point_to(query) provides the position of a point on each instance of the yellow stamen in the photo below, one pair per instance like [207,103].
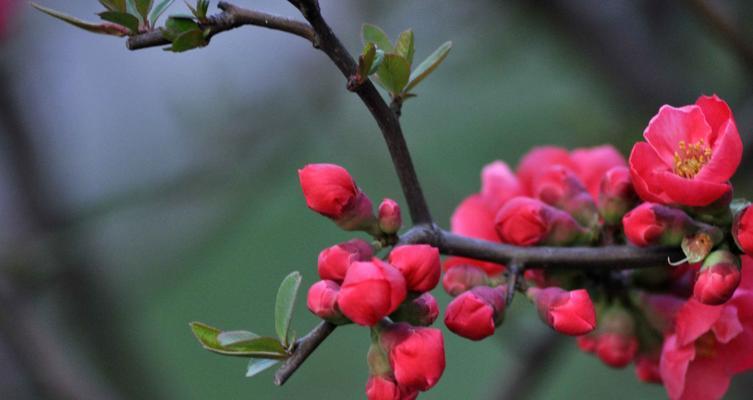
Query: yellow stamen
[690,158]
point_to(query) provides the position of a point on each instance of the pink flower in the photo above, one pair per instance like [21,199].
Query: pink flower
[538,160]
[475,313]
[461,278]
[389,216]
[498,184]
[473,218]
[593,163]
[710,345]
[689,155]
[653,224]
[571,313]
[322,300]
[334,261]
[524,221]
[416,355]
[742,230]
[371,291]
[616,350]
[330,191]
[419,264]
[385,388]
[718,278]
[616,196]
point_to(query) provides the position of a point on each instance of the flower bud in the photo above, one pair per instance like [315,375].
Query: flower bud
[561,188]
[654,224]
[615,350]
[570,313]
[742,230]
[334,261]
[617,195]
[498,185]
[385,388]
[421,311]
[538,159]
[647,368]
[419,264]
[371,291]
[475,313]
[461,278]
[330,191]
[587,343]
[389,216]
[525,221]
[593,163]
[322,301]
[718,278]
[416,355]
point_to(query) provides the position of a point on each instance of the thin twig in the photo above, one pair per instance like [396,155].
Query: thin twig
[719,23]
[304,347]
[522,379]
[232,17]
[515,268]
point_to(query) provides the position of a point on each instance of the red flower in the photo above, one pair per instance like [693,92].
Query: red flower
[742,230]
[421,311]
[419,264]
[371,291]
[616,350]
[571,313]
[461,278]
[389,216]
[591,164]
[616,196]
[718,278]
[334,261]
[689,155]
[473,218]
[524,221]
[385,388]
[416,355]
[653,224]
[330,191]
[322,300]
[710,345]
[647,368]
[538,160]
[475,313]
[559,187]
[498,184]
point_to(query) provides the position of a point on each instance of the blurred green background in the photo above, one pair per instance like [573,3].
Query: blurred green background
[141,191]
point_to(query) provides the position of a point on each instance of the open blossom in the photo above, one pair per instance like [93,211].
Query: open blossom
[571,313]
[331,191]
[371,291]
[710,345]
[475,313]
[416,355]
[334,261]
[419,264]
[689,155]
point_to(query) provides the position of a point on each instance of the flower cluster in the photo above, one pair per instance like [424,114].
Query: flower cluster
[688,324]
[390,296]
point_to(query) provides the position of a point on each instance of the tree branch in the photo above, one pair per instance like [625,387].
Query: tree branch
[303,349]
[232,17]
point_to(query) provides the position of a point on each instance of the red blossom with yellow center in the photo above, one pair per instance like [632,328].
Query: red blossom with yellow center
[689,155]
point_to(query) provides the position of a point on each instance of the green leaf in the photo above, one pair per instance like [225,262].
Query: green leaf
[106,29]
[405,46]
[393,73]
[378,58]
[121,18]
[114,5]
[374,34]
[158,10]
[143,7]
[262,347]
[229,338]
[132,9]
[257,365]
[366,59]
[428,65]
[286,295]
[188,41]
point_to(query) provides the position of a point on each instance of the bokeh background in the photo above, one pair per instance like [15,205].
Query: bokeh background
[143,190]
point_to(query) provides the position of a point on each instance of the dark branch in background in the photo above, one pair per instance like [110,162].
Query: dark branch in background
[94,309]
[424,231]
[725,28]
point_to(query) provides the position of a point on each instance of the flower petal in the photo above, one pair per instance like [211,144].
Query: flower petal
[673,365]
[643,163]
[716,112]
[694,319]
[671,125]
[690,192]
[705,380]
[472,218]
[726,153]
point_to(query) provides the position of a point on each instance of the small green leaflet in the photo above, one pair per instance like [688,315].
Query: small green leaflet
[286,296]
[428,65]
